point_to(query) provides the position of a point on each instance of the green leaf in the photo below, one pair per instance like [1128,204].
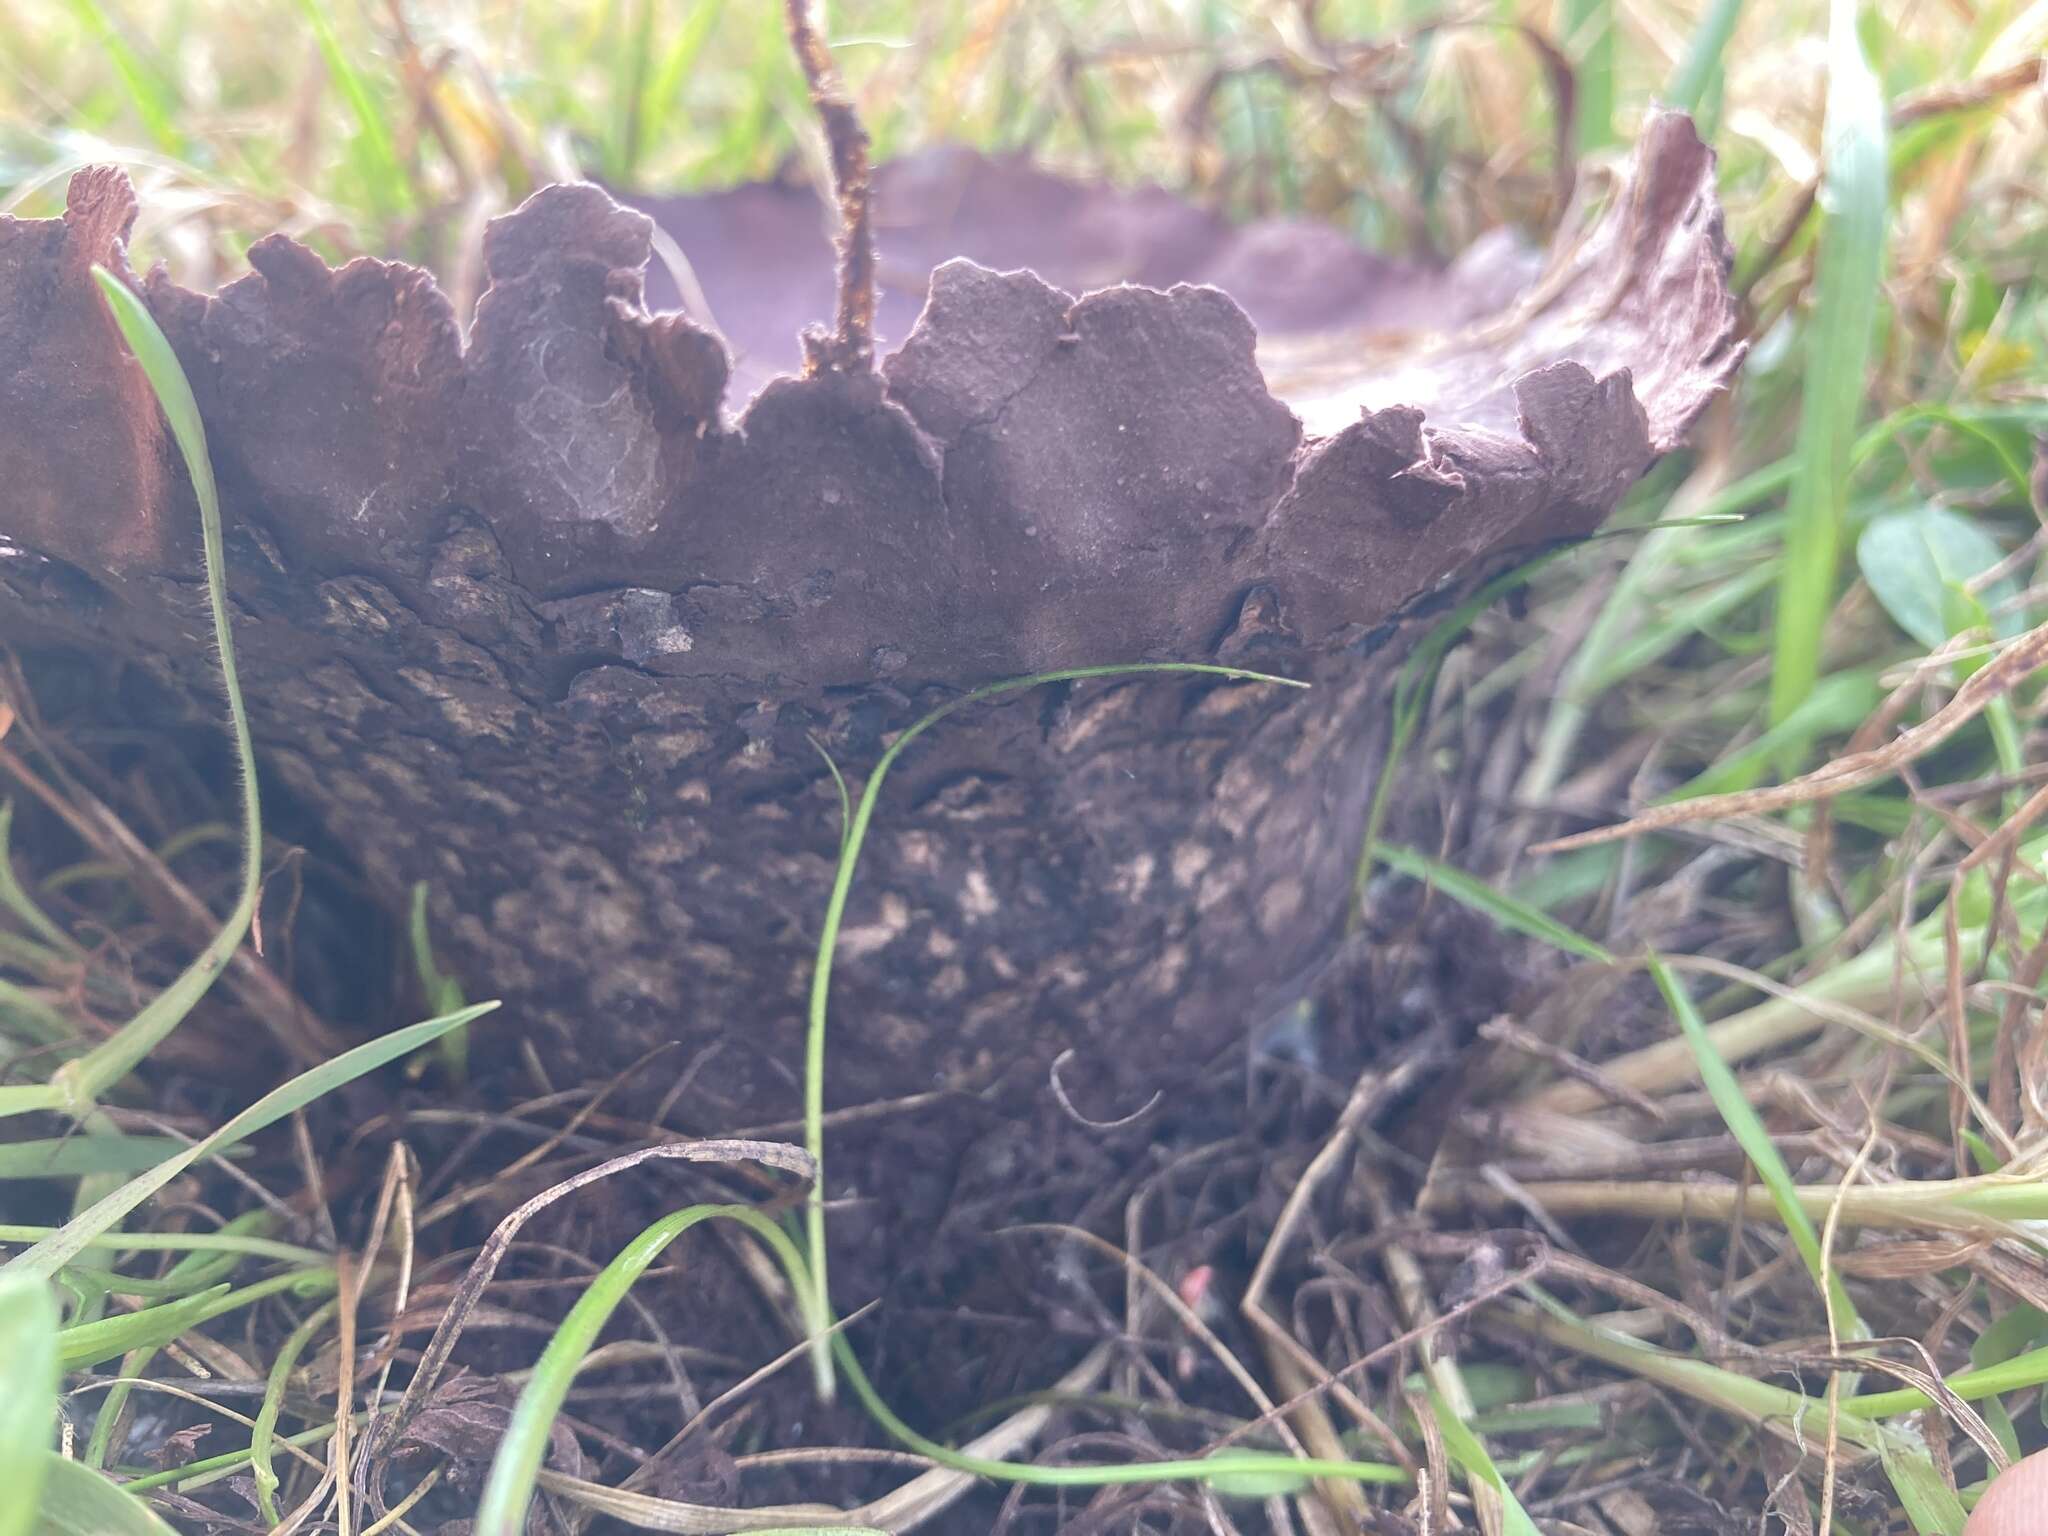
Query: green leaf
[1982,1154]
[1917,563]
[28,1396]
[1749,1133]
[1854,205]
[59,1249]
[78,1501]
[1640,628]
[195,1271]
[1233,1466]
[632,60]
[443,991]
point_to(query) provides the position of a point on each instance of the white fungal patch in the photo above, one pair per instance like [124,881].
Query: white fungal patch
[977,897]
[1133,876]
[1281,904]
[581,416]
[884,931]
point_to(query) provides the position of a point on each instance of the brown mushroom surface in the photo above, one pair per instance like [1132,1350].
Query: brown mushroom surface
[555,616]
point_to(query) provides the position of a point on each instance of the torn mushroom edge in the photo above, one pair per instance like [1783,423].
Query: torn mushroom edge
[1442,451]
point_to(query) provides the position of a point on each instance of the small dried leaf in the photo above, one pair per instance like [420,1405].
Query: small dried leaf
[179,1447]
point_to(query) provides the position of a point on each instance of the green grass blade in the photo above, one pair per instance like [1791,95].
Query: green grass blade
[71,1157]
[838,783]
[1929,1502]
[508,1490]
[1849,268]
[61,1247]
[211,1468]
[28,1396]
[112,1282]
[2012,1335]
[632,60]
[2019,1373]
[194,1271]
[15,897]
[79,1082]
[151,93]
[1466,1449]
[227,1241]
[88,1344]
[442,991]
[1644,635]
[1749,1133]
[37,959]
[1505,910]
[78,1501]
[1698,75]
[1744,1397]
[818,1297]
[263,1433]
[666,89]
[30,1098]
[25,1015]
[1589,41]
[371,151]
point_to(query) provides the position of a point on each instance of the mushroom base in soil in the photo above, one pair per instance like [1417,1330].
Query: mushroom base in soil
[556,616]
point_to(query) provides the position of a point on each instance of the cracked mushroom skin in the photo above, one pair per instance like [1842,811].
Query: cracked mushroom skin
[550,616]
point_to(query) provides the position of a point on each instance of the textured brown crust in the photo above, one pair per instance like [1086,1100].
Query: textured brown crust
[551,619]
[1036,482]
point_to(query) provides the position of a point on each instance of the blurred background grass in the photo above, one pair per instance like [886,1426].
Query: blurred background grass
[376,125]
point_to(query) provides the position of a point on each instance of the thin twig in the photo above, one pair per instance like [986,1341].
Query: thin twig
[851,346]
